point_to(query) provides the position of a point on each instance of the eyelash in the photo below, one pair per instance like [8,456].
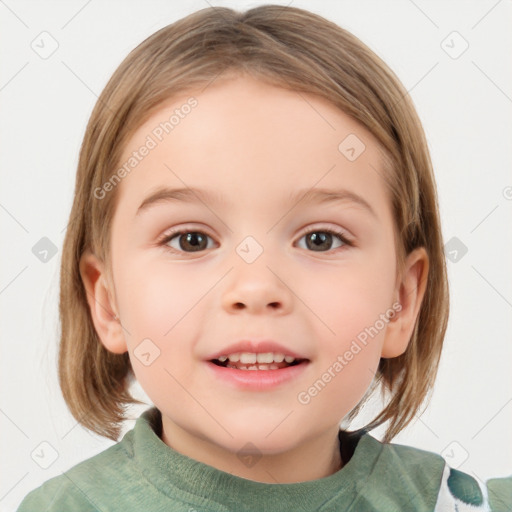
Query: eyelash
[341,235]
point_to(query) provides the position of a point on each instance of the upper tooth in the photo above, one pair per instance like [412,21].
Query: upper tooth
[289,359]
[247,358]
[267,357]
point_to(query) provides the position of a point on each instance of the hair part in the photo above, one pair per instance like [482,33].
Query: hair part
[283,46]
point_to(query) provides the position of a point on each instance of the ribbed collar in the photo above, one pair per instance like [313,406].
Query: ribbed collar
[210,489]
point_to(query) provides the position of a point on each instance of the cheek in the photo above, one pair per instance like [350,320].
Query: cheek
[159,307]
[348,359]
[351,304]
[350,298]
[156,297]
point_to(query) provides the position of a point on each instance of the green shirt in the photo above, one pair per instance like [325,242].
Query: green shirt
[141,473]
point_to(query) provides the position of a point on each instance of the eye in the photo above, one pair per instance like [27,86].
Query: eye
[189,241]
[321,240]
[186,241]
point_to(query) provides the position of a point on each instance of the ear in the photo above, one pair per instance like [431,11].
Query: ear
[103,308]
[409,291]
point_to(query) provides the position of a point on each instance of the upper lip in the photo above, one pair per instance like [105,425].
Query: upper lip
[255,347]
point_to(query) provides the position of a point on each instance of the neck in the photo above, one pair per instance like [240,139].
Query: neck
[314,459]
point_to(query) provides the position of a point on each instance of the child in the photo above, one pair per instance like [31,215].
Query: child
[255,238]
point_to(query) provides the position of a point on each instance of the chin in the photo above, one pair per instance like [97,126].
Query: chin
[264,438]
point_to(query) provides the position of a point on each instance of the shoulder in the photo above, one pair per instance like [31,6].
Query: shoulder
[405,478]
[77,489]
[56,494]
[408,478]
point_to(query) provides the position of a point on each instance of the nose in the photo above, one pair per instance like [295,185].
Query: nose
[257,289]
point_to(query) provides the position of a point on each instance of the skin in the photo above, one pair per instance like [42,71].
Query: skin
[254,144]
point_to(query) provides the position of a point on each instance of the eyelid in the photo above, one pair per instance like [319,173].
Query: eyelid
[343,233]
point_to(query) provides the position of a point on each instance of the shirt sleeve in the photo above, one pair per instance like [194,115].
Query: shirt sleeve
[460,492]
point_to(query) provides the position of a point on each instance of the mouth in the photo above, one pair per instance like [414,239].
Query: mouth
[263,361]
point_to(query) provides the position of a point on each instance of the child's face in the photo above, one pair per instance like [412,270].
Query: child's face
[254,149]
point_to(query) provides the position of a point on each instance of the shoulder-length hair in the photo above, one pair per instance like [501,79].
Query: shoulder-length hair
[283,46]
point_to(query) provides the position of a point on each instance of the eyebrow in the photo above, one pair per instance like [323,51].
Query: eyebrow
[311,195]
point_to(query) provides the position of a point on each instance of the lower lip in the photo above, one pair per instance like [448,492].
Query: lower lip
[257,380]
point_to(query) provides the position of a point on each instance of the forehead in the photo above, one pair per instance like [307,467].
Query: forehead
[247,139]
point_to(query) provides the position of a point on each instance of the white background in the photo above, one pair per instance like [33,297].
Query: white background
[465,105]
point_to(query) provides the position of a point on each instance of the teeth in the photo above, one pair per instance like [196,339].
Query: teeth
[251,358]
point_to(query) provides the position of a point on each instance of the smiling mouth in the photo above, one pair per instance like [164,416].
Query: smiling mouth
[237,365]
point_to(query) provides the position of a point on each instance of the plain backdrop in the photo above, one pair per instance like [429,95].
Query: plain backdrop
[454,59]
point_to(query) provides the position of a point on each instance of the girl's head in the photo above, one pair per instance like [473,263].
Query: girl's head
[261,111]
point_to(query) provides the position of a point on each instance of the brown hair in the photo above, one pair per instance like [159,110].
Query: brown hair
[284,46]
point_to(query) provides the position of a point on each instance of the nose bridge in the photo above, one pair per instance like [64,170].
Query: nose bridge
[255,283]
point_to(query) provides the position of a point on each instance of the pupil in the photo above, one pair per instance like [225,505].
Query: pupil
[320,240]
[193,240]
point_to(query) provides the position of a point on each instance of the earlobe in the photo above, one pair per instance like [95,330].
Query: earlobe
[410,291]
[101,305]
